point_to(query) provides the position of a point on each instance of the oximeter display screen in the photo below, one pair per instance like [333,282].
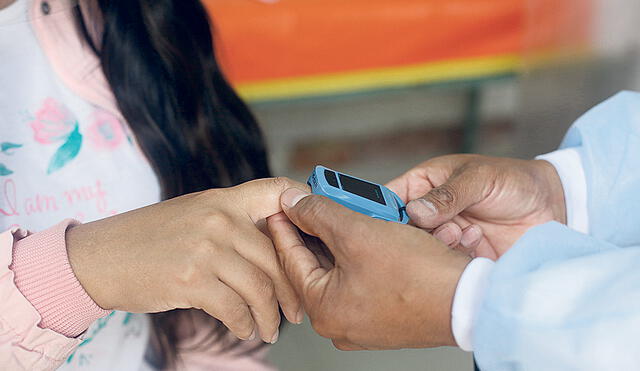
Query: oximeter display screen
[362,188]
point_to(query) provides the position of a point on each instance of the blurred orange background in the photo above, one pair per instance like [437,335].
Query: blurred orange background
[307,47]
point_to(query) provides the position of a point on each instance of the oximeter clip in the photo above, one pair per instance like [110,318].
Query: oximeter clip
[359,195]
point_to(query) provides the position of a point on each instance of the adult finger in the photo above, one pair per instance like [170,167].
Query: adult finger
[411,184]
[321,217]
[471,237]
[449,233]
[400,186]
[320,250]
[442,203]
[485,250]
[300,265]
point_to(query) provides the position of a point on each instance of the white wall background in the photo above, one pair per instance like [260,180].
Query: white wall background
[617,30]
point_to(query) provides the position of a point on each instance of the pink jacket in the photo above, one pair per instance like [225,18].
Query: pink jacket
[43,308]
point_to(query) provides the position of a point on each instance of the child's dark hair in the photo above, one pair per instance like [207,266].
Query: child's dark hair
[159,60]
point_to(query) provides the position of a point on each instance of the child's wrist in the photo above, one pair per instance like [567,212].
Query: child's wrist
[44,276]
[87,266]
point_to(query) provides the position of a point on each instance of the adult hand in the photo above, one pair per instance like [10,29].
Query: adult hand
[201,250]
[391,286]
[481,205]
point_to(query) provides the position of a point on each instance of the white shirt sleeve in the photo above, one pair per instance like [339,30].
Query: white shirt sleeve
[568,164]
[475,278]
[467,300]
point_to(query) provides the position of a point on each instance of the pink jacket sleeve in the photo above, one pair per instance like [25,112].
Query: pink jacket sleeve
[39,294]
[43,309]
[23,344]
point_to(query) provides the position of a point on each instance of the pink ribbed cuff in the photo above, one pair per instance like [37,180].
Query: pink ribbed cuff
[44,276]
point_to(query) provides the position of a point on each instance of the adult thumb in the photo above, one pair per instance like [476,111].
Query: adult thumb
[320,217]
[442,203]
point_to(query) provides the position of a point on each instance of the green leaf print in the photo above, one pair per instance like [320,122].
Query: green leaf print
[4,171]
[7,147]
[67,152]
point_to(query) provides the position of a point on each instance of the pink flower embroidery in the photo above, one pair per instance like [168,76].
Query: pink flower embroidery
[53,123]
[106,131]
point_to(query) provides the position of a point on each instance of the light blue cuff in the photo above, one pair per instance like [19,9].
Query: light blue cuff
[474,280]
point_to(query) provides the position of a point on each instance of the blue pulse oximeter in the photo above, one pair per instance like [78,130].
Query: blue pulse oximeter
[358,195]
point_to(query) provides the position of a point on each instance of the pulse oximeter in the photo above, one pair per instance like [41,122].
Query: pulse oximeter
[358,195]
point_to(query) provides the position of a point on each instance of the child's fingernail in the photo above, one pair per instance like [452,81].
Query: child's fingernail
[292,196]
[275,337]
[252,336]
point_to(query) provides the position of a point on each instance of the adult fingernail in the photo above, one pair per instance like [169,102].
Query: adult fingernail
[292,196]
[275,337]
[253,335]
[446,235]
[422,208]
[299,316]
[470,236]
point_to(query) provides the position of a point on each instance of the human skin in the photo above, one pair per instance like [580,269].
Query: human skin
[390,286]
[481,205]
[5,3]
[201,250]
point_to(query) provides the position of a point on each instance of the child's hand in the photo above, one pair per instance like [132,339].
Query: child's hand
[201,250]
